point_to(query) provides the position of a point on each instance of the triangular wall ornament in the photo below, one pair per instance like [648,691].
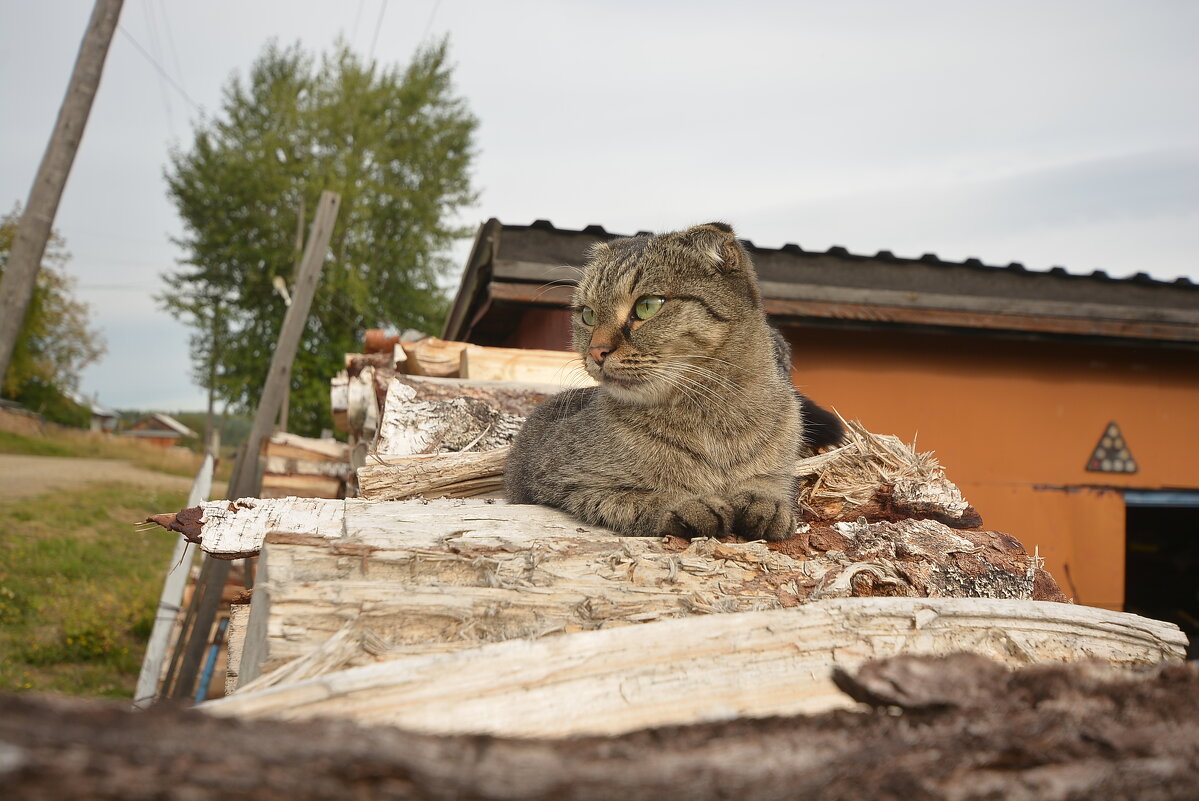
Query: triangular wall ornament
[1112,455]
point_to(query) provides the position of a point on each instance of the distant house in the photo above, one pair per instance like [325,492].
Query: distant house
[1063,405]
[104,420]
[160,429]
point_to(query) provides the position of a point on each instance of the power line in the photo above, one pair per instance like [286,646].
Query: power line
[378,25]
[166,24]
[429,24]
[156,51]
[160,70]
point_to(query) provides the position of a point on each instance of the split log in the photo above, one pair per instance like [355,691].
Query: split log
[433,357]
[563,368]
[1049,732]
[448,575]
[510,397]
[363,411]
[304,467]
[339,401]
[235,638]
[455,475]
[694,670]
[878,477]
[300,485]
[410,426]
[304,449]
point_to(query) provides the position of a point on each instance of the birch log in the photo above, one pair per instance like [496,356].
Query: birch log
[411,427]
[701,669]
[448,575]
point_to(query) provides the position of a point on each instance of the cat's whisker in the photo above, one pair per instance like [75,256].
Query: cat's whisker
[715,359]
[711,375]
[669,374]
[546,287]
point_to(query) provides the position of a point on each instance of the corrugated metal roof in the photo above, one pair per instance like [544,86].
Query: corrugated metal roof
[840,252]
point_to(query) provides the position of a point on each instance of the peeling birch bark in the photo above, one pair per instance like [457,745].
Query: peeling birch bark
[411,427]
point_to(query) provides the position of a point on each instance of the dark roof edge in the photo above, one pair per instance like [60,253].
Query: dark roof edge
[840,252]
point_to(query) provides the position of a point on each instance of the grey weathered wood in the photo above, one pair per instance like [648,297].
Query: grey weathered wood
[178,572]
[33,231]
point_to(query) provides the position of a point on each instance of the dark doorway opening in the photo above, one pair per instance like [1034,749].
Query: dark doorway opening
[1161,565]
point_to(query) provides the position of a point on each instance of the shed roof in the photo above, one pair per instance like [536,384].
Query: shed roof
[160,425]
[532,265]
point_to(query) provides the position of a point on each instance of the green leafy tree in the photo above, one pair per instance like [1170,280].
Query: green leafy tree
[397,144]
[56,340]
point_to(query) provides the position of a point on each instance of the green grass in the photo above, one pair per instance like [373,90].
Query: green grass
[32,446]
[79,586]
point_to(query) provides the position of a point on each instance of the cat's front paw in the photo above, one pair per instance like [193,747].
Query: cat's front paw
[698,516]
[761,516]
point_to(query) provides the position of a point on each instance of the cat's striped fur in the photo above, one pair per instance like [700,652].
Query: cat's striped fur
[695,428]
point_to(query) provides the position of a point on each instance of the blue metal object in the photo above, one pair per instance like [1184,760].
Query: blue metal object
[1161,498]
[210,663]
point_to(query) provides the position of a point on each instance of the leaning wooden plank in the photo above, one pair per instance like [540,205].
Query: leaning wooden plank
[746,665]
[563,368]
[455,475]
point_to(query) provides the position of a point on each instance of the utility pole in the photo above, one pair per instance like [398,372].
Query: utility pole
[25,258]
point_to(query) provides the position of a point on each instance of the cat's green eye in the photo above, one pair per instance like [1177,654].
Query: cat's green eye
[588,315]
[648,306]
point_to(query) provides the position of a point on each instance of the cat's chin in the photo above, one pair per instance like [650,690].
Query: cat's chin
[629,391]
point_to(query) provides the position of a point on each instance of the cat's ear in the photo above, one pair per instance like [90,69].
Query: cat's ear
[718,243]
[598,250]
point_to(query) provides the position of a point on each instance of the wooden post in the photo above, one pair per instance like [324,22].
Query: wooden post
[25,259]
[246,478]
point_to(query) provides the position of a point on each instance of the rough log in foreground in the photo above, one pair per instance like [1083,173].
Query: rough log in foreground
[1048,733]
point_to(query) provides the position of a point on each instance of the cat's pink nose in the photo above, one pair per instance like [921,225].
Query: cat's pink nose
[600,352]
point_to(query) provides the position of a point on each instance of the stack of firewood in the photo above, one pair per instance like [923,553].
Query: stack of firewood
[430,603]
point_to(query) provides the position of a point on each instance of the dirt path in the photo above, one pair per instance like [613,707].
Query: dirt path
[23,476]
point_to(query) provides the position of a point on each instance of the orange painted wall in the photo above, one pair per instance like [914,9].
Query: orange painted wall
[1014,423]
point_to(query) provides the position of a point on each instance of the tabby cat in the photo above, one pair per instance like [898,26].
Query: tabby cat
[694,429]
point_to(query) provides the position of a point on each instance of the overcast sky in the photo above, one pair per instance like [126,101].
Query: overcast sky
[1049,133]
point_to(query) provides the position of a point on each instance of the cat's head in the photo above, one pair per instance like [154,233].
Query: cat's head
[656,316]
